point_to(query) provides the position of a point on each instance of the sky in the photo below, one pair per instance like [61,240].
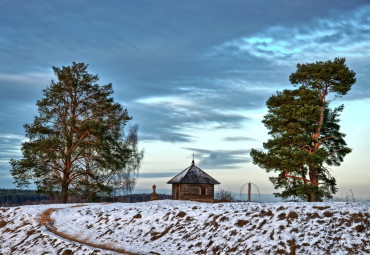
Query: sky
[194,75]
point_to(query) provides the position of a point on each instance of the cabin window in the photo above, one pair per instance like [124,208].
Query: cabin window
[203,191]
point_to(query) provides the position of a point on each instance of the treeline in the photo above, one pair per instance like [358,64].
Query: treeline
[10,197]
[133,198]
[14,197]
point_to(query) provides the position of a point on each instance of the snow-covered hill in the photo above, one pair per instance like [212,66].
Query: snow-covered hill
[178,227]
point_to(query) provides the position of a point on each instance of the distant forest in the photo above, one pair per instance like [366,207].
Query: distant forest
[14,197]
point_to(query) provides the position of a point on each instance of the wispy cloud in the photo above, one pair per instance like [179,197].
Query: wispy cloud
[221,159]
[29,78]
[345,35]
[167,121]
[10,147]
[239,138]
[156,174]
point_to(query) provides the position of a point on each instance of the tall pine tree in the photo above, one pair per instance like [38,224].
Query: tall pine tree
[76,144]
[306,137]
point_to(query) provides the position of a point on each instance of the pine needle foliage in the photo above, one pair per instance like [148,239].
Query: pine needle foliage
[76,144]
[306,138]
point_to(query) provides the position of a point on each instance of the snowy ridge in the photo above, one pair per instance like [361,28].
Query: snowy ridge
[179,227]
[22,233]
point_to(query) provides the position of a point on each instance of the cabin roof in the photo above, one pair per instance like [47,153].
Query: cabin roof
[193,175]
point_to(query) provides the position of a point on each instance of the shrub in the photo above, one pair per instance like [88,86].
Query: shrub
[224,196]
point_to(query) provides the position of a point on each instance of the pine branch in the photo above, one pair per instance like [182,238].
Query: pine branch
[298,178]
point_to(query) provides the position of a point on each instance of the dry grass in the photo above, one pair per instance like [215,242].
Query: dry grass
[262,223]
[2,223]
[281,216]
[313,215]
[241,223]
[156,235]
[74,206]
[189,218]
[292,215]
[67,252]
[280,208]
[328,214]
[224,218]
[321,207]
[266,213]
[232,250]
[137,216]
[292,246]
[360,228]
[181,214]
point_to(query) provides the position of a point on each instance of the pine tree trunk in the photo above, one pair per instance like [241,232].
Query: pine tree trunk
[64,196]
[317,132]
[312,198]
[314,178]
[315,182]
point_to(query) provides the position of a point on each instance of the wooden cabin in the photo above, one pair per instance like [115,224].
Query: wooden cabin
[193,184]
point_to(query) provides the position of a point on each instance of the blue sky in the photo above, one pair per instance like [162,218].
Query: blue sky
[194,75]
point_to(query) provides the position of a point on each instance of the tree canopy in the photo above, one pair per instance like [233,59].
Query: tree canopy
[76,144]
[306,137]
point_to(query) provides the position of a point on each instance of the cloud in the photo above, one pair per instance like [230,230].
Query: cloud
[221,159]
[240,75]
[320,39]
[346,34]
[23,87]
[228,126]
[168,121]
[10,144]
[178,67]
[223,60]
[165,135]
[152,175]
[10,147]
[239,138]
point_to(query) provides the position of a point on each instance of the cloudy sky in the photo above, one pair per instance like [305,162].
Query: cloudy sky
[194,75]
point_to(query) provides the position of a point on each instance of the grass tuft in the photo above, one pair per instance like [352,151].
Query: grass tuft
[281,216]
[241,223]
[328,214]
[321,207]
[3,223]
[181,214]
[137,216]
[292,215]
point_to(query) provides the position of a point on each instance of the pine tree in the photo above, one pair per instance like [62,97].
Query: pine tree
[306,136]
[76,145]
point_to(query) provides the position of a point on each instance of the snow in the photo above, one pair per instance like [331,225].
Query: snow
[184,227]
[193,174]
[181,175]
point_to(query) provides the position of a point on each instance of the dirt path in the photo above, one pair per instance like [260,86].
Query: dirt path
[46,220]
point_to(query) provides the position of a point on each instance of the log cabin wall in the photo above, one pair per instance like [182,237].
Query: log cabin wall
[193,192]
[176,191]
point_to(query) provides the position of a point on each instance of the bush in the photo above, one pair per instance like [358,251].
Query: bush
[224,196]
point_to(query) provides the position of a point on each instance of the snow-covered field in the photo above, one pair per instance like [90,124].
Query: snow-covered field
[179,227]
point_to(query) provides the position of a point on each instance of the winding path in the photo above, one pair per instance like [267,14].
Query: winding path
[46,220]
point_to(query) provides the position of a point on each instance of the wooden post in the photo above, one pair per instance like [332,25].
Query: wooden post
[249,191]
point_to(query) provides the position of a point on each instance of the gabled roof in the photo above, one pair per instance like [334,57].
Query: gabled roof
[193,175]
